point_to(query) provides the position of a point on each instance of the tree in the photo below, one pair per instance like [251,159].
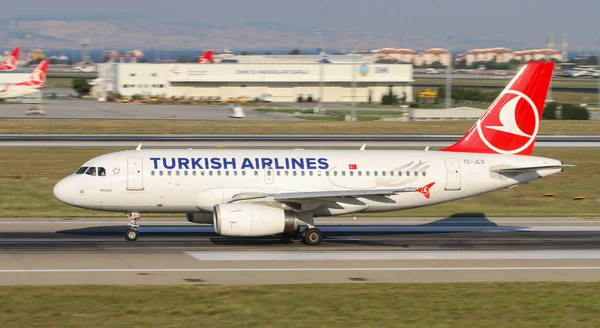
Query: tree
[390,98]
[182,59]
[296,52]
[81,86]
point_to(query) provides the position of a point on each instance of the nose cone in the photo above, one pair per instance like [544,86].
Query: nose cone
[63,191]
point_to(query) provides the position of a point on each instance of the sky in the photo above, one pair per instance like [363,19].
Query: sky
[524,21]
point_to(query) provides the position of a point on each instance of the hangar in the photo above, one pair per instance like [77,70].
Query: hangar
[283,82]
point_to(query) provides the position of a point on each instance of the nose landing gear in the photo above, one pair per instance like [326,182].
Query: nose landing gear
[134,224]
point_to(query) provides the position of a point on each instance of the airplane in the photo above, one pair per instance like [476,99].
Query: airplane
[11,61]
[206,58]
[36,80]
[250,193]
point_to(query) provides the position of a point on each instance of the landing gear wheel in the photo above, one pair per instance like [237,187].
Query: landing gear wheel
[131,235]
[312,236]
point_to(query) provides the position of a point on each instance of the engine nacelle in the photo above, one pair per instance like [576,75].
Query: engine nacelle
[251,220]
[202,217]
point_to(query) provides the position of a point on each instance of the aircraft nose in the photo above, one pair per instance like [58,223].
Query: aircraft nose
[62,191]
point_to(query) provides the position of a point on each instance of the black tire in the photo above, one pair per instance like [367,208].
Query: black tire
[131,235]
[313,237]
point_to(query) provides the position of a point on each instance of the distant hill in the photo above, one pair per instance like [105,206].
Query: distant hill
[136,30]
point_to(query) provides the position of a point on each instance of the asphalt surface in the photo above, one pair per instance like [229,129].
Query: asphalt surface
[173,251]
[91,109]
[265,141]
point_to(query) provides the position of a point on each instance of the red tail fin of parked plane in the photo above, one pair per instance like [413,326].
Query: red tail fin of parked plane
[37,78]
[512,121]
[206,58]
[10,62]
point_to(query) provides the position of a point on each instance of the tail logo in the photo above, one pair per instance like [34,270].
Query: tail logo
[38,78]
[10,63]
[513,127]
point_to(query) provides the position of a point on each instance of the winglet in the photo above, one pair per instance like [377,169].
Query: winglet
[139,147]
[426,190]
[363,147]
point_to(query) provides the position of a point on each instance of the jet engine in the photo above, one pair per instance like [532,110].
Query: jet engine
[250,220]
[202,217]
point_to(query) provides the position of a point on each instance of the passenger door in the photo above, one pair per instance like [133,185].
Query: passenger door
[452,174]
[135,180]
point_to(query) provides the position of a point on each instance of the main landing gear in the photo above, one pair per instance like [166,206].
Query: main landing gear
[134,224]
[312,236]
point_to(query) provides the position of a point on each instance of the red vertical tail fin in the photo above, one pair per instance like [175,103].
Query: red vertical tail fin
[512,121]
[206,58]
[11,61]
[37,78]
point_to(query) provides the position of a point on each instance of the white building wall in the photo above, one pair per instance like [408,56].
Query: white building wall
[283,81]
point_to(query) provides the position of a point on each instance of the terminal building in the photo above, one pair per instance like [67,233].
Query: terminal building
[281,80]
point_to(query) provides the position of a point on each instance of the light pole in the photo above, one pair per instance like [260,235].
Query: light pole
[548,58]
[598,71]
[449,74]
[319,34]
[352,37]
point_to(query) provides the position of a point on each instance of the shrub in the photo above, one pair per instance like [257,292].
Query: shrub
[413,105]
[574,112]
[550,111]
[81,86]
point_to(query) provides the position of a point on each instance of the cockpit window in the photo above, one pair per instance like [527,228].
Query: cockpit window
[91,171]
[101,171]
[81,170]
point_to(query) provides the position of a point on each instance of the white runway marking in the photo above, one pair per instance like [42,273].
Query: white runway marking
[398,256]
[300,269]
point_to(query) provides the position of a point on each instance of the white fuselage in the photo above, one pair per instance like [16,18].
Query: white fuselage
[16,91]
[188,181]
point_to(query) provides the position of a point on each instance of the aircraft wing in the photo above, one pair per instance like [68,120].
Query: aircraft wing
[529,168]
[323,197]
[339,193]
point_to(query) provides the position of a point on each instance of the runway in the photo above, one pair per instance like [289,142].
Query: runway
[370,249]
[264,141]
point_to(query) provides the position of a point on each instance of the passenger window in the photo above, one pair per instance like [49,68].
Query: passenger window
[343,173]
[255,172]
[269,172]
[335,173]
[359,173]
[177,173]
[278,173]
[368,173]
[310,173]
[194,173]
[243,173]
[160,173]
[101,172]
[399,173]
[82,170]
[294,173]
[424,173]
[235,173]
[152,173]
[351,173]
[392,173]
[210,173]
[327,173]
[169,173]
[374,173]
[185,173]
[91,171]
[219,173]
[302,173]
[383,173]
[227,173]
[287,173]
[416,173]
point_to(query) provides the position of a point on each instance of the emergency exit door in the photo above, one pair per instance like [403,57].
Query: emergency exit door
[135,180]
[452,174]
